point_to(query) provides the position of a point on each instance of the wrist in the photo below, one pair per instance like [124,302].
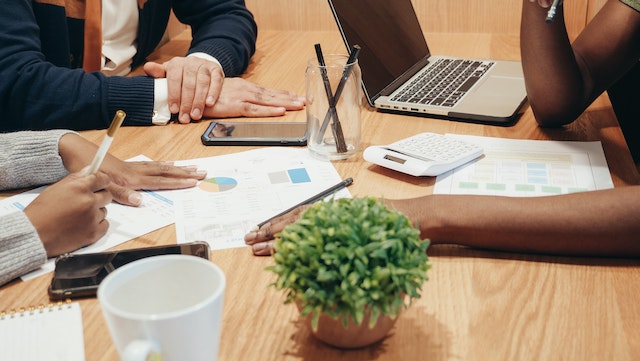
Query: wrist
[76,152]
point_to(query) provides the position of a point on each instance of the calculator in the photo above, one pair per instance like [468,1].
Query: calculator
[424,154]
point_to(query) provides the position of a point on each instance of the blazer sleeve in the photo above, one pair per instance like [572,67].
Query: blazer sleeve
[36,94]
[224,29]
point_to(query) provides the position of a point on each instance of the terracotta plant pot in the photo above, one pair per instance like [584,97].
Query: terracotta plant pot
[332,332]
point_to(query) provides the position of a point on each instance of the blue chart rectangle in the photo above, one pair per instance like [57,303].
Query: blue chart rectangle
[299,175]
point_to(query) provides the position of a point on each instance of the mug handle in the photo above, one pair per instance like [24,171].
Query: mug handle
[142,350]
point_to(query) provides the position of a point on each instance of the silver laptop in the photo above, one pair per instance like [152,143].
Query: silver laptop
[399,74]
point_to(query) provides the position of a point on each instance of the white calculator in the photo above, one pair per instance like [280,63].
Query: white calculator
[424,154]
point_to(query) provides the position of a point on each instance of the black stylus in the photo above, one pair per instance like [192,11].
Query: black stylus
[317,197]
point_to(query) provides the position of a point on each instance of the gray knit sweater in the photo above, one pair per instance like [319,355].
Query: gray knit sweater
[27,159]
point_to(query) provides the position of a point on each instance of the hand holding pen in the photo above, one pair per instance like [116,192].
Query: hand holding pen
[261,237]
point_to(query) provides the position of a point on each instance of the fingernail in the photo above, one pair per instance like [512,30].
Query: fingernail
[135,198]
[174,108]
[201,172]
[195,113]
[184,118]
[250,237]
[210,100]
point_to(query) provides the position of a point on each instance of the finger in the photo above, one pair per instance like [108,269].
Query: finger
[187,94]
[159,182]
[262,235]
[263,249]
[125,195]
[100,181]
[215,86]
[154,70]
[202,85]
[277,98]
[174,84]
[247,110]
[104,216]
[100,230]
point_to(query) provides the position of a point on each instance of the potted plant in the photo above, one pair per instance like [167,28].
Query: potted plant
[350,265]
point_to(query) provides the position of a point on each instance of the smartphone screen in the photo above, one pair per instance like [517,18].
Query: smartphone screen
[79,275]
[255,133]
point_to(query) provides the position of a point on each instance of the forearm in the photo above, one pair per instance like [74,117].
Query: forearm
[554,81]
[602,223]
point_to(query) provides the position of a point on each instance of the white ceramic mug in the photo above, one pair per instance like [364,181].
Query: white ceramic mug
[165,307]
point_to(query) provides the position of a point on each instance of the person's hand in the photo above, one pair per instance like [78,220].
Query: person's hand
[71,214]
[192,83]
[242,98]
[261,240]
[128,177]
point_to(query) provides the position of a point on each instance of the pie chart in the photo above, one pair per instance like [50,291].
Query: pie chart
[218,184]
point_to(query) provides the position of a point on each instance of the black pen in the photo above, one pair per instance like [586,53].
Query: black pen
[345,183]
[353,55]
[332,100]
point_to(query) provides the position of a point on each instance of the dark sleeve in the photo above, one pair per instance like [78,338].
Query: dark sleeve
[35,94]
[224,29]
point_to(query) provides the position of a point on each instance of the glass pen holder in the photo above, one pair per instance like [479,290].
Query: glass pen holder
[333,104]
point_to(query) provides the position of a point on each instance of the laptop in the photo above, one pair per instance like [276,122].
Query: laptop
[400,75]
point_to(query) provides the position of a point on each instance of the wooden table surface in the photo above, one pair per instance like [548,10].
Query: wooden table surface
[477,305]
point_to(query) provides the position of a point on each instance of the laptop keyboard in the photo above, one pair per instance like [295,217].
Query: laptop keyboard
[444,83]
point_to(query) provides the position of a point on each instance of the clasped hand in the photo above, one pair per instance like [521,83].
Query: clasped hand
[197,88]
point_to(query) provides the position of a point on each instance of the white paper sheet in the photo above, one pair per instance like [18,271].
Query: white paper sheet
[519,168]
[246,188]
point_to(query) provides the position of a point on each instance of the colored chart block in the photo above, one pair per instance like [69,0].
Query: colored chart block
[218,184]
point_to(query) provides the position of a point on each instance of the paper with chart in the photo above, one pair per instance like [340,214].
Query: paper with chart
[519,168]
[125,222]
[243,189]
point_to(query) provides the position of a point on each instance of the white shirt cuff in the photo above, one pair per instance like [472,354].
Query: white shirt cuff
[161,113]
[206,56]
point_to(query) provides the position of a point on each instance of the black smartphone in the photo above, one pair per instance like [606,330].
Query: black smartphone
[79,275]
[255,133]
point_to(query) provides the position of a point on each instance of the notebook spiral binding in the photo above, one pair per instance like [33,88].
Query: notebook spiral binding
[26,311]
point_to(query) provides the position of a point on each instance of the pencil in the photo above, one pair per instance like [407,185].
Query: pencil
[106,141]
[317,197]
[551,14]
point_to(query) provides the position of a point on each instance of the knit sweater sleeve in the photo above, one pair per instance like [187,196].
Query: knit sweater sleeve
[21,250]
[30,158]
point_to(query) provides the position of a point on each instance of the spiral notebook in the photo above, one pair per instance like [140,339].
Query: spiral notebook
[50,332]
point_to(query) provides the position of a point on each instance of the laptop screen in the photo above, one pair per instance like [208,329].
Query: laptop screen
[390,36]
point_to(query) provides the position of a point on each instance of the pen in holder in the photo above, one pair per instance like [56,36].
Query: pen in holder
[340,109]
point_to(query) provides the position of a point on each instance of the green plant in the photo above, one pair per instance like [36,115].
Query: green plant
[348,256]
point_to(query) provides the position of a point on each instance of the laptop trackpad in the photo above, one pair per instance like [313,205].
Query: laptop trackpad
[496,96]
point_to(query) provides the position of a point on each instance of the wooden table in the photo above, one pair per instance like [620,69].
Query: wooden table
[477,305]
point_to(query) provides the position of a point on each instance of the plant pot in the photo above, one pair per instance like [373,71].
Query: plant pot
[332,332]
